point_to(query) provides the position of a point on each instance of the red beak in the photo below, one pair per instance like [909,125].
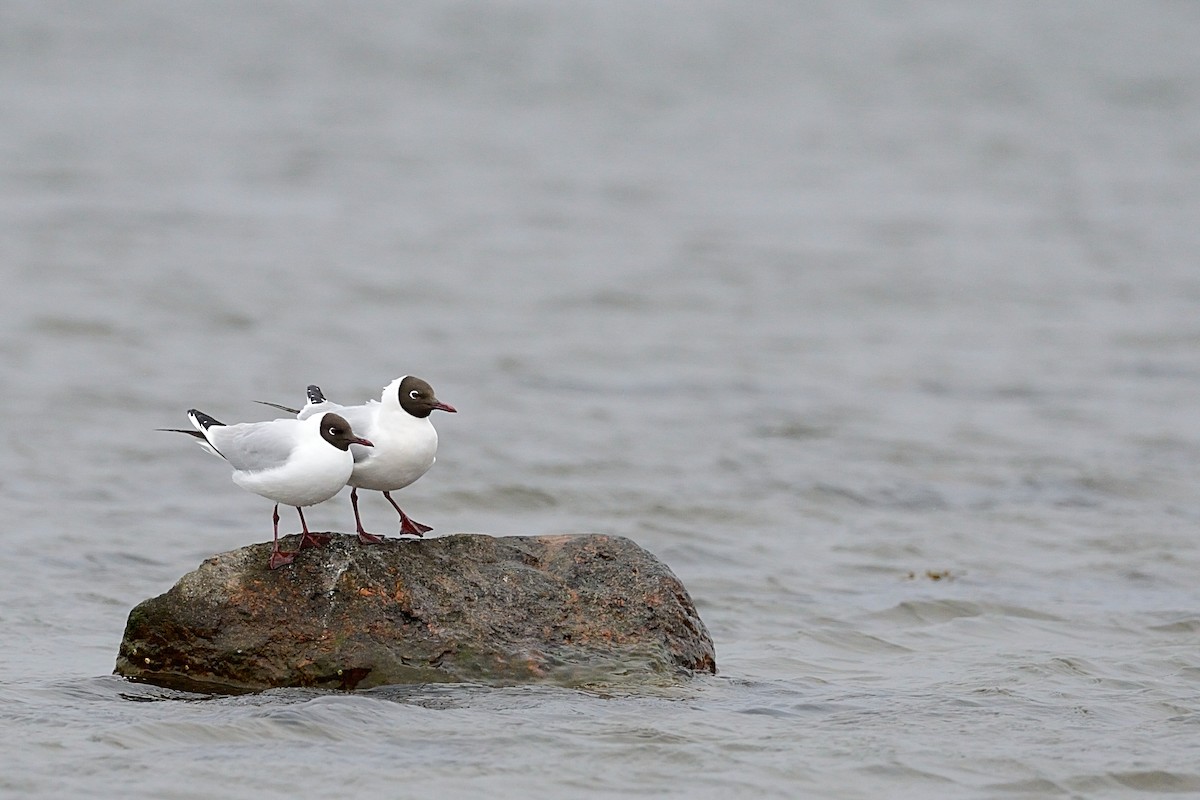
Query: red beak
[363,442]
[445,407]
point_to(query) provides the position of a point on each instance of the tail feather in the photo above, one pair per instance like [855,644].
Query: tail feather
[288,409]
[197,434]
[201,422]
[315,397]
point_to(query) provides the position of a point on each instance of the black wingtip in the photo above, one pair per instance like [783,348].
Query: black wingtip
[202,419]
[315,395]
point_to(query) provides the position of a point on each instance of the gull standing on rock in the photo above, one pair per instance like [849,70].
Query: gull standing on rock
[291,461]
[405,442]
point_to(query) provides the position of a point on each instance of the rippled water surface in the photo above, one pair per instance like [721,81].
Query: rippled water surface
[879,322]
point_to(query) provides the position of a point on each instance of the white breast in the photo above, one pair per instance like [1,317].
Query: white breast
[405,448]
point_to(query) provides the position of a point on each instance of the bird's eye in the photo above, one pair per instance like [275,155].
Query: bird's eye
[334,431]
[414,394]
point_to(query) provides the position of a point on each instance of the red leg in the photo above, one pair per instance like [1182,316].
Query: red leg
[363,536]
[278,557]
[308,539]
[407,524]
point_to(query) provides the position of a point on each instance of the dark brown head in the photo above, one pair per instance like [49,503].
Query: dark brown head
[336,431]
[417,398]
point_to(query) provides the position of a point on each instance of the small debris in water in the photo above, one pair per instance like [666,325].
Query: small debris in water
[933,575]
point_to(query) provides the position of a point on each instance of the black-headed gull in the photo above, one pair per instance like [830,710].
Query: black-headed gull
[291,461]
[405,442]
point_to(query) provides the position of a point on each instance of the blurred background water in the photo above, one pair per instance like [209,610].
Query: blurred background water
[877,321]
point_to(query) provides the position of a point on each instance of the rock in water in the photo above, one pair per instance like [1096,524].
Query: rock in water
[574,610]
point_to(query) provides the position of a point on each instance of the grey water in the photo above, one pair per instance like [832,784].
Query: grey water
[879,322]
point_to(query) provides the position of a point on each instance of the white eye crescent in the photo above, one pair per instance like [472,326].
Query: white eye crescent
[414,394]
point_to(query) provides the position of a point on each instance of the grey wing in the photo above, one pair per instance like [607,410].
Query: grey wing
[361,418]
[254,446]
[311,408]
